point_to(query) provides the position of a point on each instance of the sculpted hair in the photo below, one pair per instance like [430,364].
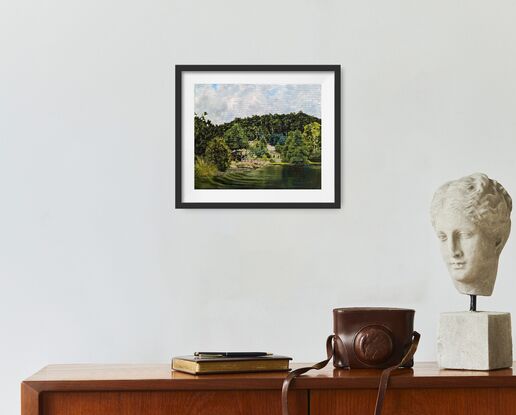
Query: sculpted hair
[484,201]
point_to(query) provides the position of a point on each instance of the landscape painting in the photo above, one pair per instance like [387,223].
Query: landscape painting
[257,136]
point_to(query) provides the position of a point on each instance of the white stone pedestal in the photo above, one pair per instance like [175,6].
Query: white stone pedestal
[474,340]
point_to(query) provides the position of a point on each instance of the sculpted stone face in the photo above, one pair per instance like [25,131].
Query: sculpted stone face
[471,217]
[470,254]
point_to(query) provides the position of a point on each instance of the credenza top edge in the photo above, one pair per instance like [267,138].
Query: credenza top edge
[95,377]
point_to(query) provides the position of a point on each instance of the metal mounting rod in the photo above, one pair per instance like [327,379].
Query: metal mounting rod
[472,302]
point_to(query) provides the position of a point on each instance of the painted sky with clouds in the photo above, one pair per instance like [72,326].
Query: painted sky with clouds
[224,102]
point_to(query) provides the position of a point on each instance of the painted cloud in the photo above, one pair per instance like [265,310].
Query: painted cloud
[224,102]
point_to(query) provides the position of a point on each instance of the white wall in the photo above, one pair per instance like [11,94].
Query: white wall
[97,266]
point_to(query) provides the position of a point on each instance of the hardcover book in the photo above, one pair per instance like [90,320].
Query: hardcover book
[196,365]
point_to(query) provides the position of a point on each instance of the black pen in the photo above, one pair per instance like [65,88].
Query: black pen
[232,354]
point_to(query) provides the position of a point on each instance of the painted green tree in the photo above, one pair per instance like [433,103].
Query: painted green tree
[204,131]
[259,148]
[312,139]
[236,137]
[296,150]
[218,153]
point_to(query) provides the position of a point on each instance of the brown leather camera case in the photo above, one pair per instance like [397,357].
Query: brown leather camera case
[372,337]
[366,337]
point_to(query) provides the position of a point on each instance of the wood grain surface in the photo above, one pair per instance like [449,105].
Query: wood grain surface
[29,400]
[155,389]
[160,377]
[167,403]
[437,401]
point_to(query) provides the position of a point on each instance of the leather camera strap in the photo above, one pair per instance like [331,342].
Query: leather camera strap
[384,378]
[330,350]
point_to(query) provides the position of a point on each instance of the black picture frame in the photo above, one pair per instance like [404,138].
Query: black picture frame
[181,69]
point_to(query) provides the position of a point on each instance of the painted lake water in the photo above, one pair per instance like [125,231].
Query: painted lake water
[273,176]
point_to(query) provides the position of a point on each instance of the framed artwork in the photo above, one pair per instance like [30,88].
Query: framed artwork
[257,136]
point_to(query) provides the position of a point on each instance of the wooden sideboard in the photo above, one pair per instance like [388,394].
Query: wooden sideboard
[156,390]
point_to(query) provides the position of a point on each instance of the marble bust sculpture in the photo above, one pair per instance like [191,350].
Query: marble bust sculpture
[471,217]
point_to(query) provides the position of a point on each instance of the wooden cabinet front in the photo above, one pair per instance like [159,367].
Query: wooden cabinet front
[434,401]
[171,403]
[156,390]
